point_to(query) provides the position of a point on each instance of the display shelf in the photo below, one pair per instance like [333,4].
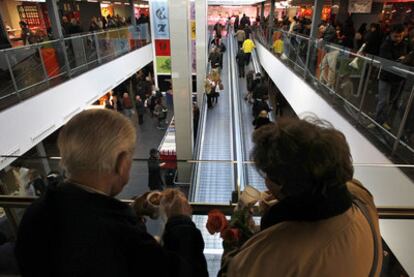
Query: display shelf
[167,147]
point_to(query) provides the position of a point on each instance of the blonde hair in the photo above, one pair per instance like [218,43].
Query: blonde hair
[93,139]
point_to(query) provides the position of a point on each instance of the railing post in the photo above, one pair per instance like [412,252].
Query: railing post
[97,47]
[403,121]
[364,91]
[361,81]
[16,89]
[84,50]
[43,64]
[65,57]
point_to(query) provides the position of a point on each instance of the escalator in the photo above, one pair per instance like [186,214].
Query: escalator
[214,178]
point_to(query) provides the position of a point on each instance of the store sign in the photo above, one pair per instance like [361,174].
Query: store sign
[163,64]
[162,47]
[360,6]
[159,16]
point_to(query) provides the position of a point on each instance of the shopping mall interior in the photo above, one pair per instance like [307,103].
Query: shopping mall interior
[201,82]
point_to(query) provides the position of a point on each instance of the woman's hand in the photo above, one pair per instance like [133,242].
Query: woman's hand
[174,203]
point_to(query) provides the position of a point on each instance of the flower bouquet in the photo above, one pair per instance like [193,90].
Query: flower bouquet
[241,226]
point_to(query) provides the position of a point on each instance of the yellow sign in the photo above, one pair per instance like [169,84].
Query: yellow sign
[193,30]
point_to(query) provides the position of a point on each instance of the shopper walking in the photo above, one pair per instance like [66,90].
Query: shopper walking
[241,36]
[127,105]
[241,61]
[140,107]
[261,120]
[155,181]
[394,48]
[160,111]
[248,46]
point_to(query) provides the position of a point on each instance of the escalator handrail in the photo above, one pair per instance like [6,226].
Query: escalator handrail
[195,176]
[237,130]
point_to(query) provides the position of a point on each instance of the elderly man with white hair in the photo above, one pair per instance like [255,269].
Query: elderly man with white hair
[78,228]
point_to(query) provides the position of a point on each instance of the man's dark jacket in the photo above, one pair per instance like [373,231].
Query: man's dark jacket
[391,51]
[72,232]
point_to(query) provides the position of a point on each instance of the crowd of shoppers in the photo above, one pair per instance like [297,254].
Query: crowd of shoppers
[392,45]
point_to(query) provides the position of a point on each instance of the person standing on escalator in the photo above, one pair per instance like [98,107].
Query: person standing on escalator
[241,60]
[248,46]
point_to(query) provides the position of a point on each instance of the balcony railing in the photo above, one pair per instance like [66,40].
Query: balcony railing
[352,83]
[28,70]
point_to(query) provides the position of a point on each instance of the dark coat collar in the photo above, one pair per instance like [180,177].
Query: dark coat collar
[306,208]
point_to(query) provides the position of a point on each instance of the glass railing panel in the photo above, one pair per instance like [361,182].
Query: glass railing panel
[53,59]
[123,41]
[91,51]
[8,94]
[387,93]
[26,65]
[356,85]
[106,46]
[76,53]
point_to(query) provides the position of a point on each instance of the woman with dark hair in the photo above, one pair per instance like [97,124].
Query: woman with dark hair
[360,35]
[155,181]
[325,223]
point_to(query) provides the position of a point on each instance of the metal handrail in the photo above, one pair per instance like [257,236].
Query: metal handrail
[237,130]
[195,176]
[391,165]
[371,61]
[199,208]
[80,35]
[368,58]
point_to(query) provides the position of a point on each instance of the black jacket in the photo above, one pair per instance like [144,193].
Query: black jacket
[214,58]
[154,174]
[240,58]
[261,121]
[373,43]
[392,52]
[72,232]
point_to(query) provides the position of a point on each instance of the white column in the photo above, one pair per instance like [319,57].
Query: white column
[201,46]
[181,82]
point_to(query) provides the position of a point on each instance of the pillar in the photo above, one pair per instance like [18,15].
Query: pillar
[262,8]
[4,38]
[201,47]
[316,20]
[54,17]
[316,17]
[179,15]
[132,14]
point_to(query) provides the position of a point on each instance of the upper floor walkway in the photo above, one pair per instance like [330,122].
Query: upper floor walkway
[43,85]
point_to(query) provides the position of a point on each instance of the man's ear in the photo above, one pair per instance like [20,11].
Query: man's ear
[122,163]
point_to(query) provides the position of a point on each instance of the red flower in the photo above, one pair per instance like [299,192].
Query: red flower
[216,222]
[231,234]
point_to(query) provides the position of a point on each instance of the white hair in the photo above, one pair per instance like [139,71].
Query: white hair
[93,140]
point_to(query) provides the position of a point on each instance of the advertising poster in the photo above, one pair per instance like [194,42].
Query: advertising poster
[193,36]
[162,47]
[160,19]
[360,6]
[161,37]
[163,64]
[193,56]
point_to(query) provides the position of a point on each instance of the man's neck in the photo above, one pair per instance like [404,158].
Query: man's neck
[99,183]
